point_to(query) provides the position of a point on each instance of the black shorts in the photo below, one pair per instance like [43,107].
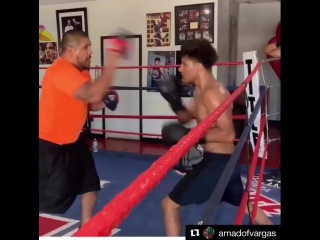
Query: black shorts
[65,171]
[198,184]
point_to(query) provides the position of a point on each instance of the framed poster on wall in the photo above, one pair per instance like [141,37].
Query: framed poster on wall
[194,22]
[69,19]
[157,74]
[158,29]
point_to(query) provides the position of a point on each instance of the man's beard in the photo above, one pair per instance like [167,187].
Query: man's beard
[83,65]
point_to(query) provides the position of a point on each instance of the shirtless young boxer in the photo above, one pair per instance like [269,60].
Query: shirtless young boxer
[198,184]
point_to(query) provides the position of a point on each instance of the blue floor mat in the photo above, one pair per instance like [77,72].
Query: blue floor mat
[119,169]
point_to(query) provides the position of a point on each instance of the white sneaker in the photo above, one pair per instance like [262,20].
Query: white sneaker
[179,172]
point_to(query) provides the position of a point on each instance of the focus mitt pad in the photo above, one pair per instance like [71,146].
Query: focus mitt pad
[122,43]
[173,132]
[111,100]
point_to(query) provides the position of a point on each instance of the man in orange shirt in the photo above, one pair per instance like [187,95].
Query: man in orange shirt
[66,165]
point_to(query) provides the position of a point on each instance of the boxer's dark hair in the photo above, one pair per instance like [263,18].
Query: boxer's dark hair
[201,51]
[71,39]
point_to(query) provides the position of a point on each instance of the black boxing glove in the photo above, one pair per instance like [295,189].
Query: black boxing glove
[171,90]
[172,133]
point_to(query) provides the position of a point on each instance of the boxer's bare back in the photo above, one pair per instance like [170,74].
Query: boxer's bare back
[208,95]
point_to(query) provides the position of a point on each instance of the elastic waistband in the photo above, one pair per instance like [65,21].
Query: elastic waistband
[210,156]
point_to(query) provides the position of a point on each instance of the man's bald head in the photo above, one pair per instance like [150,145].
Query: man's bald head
[72,38]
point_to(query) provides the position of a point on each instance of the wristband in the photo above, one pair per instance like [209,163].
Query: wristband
[202,141]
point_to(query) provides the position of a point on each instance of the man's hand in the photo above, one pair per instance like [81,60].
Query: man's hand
[273,50]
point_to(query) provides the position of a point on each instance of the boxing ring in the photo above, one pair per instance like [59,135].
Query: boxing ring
[255,136]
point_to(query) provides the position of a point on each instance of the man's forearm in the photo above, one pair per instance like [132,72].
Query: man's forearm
[97,106]
[103,83]
[276,53]
[184,116]
[272,50]
[219,135]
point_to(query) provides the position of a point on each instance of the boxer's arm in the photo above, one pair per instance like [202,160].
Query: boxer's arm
[273,50]
[70,81]
[223,129]
[95,91]
[97,106]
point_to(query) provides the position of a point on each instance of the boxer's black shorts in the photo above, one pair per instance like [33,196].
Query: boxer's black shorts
[198,184]
[65,171]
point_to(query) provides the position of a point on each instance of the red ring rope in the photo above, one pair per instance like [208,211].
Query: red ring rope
[253,166]
[162,66]
[131,133]
[113,214]
[235,117]
[258,189]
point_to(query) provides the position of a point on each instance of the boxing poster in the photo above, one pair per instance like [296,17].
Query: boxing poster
[161,60]
[188,89]
[158,29]
[47,46]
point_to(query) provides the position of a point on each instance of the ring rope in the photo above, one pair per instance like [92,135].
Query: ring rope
[234,117]
[129,133]
[259,185]
[176,66]
[113,214]
[245,199]
[217,194]
[162,66]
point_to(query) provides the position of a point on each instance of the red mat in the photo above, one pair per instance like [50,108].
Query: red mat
[50,225]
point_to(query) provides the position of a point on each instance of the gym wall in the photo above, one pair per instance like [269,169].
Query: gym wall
[104,17]
[257,25]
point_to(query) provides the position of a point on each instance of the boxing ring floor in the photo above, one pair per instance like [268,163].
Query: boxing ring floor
[117,170]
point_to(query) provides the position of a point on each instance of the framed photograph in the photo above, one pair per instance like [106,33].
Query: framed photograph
[194,22]
[157,74]
[47,46]
[158,29]
[68,19]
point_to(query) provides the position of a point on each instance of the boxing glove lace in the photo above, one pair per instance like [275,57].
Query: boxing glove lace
[172,133]
[171,90]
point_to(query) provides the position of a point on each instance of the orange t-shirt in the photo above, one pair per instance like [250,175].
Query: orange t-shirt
[61,115]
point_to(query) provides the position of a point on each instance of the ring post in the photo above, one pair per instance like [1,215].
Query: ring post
[253,93]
